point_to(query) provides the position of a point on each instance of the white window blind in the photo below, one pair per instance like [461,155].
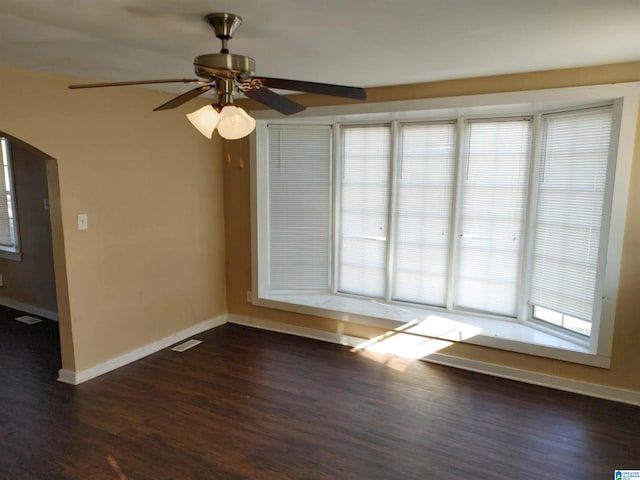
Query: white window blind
[8,237]
[423,213]
[571,192]
[364,198]
[473,232]
[493,200]
[299,207]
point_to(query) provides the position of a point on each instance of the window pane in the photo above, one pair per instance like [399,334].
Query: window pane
[493,196]
[364,198]
[299,207]
[577,325]
[571,192]
[565,321]
[423,213]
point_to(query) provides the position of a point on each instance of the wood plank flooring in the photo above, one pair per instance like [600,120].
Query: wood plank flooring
[248,404]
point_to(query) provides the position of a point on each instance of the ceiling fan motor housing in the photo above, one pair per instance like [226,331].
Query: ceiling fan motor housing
[224,65]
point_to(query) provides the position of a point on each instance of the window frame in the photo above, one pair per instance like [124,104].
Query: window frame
[625,98]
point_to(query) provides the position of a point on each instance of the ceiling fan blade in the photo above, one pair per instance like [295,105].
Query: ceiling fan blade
[313,87]
[274,100]
[185,97]
[135,82]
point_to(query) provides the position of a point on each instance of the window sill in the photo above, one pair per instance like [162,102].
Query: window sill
[456,327]
[15,256]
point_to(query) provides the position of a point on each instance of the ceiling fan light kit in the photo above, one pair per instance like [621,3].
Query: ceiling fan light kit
[235,123]
[205,119]
[229,74]
[232,122]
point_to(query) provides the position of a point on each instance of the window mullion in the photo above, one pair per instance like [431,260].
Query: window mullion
[338,162]
[600,293]
[394,171]
[524,310]
[455,209]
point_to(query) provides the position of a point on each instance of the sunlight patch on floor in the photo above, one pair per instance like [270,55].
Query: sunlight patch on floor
[415,340]
[116,468]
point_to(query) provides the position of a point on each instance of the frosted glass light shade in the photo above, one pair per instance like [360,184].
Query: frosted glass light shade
[235,123]
[205,119]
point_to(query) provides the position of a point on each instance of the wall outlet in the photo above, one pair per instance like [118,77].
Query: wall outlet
[249,296]
[1,280]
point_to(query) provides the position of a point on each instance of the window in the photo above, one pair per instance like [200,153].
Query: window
[493,192]
[486,214]
[9,244]
[363,214]
[569,210]
[299,207]
[423,213]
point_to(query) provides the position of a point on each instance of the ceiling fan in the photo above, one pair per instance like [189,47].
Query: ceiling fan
[228,74]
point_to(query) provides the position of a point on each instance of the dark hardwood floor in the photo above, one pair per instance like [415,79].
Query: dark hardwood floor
[248,404]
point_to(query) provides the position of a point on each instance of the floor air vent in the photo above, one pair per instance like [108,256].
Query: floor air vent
[28,320]
[186,345]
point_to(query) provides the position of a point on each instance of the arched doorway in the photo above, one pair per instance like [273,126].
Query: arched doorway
[32,271]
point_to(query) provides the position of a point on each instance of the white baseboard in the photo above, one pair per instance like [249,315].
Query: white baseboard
[76,378]
[295,330]
[558,383]
[28,308]
[566,384]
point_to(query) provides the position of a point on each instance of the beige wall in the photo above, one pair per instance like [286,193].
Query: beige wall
[152,262]
[624,371]
[30,281]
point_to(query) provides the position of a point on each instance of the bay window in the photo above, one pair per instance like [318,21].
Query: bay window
[485,216]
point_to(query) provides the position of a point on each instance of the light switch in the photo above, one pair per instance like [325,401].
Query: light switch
[83,221]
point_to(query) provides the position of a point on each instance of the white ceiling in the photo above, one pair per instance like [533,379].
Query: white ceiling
[353,42]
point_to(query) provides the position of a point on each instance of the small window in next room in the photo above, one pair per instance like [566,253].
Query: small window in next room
[9,241]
